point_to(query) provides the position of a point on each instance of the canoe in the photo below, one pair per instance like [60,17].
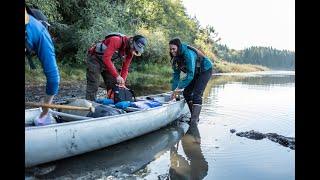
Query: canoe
[121,160]
[61,140]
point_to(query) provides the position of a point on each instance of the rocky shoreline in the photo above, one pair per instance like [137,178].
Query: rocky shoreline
[67,91]
[282,140]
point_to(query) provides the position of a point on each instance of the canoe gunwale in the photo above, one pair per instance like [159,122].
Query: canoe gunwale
[76,137]
[99,118]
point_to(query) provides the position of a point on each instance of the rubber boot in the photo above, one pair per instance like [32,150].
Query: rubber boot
[196,109]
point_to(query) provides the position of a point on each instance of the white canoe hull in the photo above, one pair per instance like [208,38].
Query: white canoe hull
[57,141]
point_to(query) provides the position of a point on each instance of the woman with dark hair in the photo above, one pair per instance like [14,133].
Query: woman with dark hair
[198,70]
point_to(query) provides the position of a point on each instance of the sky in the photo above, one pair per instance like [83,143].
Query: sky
[244,23]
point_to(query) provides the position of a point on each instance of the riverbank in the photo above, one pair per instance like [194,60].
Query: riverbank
[73,82]
[67,90]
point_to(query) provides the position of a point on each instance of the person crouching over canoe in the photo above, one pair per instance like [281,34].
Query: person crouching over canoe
[198,70]
[101,58]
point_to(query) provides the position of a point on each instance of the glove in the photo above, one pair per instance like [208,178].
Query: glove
[105,101]
[47,119]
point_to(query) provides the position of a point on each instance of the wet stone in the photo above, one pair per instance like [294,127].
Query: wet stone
[251,135]
[232,130]
[282,140]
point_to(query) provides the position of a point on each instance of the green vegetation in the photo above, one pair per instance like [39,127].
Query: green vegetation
[77,25]
[146,74]
[265,56]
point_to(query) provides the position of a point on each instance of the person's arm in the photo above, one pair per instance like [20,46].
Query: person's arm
[47,100]
[125,67]
[190,59]
[47,57]
[113,44]
[46,54]
[175,78]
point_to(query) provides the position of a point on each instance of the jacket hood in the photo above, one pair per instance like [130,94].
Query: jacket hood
[182,49]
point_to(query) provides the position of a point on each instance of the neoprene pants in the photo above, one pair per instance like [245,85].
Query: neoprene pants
[194,91]
[95,69]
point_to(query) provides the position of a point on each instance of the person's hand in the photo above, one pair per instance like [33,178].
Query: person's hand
[45,120]
[178,91]
[120,81]
[47,100]
[175,93]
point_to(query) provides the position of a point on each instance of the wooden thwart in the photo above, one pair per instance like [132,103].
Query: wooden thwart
[57,106]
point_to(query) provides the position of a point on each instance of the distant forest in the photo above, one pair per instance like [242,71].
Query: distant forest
[78,24]
[265,56]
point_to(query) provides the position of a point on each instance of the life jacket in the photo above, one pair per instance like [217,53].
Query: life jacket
[36,13]
[181,63]
[101,47]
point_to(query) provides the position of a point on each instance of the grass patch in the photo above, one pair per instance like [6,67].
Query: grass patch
[144,74]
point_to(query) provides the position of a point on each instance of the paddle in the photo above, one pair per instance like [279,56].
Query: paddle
[35,104]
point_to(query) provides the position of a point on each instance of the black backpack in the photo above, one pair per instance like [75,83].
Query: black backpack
[101,47]
[200,59]
[122,94]
[36,13]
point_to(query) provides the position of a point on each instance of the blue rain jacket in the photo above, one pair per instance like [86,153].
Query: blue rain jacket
[39,40]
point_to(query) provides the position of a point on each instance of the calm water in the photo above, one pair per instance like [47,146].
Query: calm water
[263,102]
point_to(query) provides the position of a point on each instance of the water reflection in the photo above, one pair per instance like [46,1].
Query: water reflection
[195,166]
[265,78]
[263,102]
[120,160]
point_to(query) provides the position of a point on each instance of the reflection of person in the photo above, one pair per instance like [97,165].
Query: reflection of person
[198,70]
[180,167]
[104,65]
[38,39]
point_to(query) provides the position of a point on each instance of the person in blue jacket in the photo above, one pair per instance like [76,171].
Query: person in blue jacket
[39,40]
[198,69]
